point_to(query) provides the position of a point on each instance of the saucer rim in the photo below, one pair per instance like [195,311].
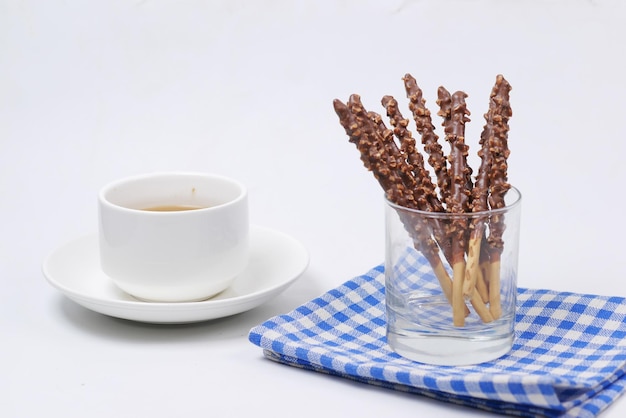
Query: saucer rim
[196,311]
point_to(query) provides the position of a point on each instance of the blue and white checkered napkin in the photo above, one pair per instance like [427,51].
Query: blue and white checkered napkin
[568,359]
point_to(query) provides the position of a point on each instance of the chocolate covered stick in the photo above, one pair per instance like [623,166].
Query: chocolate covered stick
[425,193]
[394,156]
[454,112]
[425,127]
[362,133]
[360,130]
[461,190]
[476,260]
[428,192]
[384,152]
[355,134]
[498,186]
[479,203]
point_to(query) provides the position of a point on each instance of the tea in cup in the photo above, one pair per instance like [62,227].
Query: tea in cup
[173,237]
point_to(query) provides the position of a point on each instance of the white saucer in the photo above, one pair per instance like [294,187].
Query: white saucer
[276,261]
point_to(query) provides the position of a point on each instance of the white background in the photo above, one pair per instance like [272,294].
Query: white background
[91,91]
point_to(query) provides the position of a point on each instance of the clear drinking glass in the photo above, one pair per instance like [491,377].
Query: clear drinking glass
[451,282]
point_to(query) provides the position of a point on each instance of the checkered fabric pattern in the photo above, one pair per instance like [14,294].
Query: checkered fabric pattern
[568,359]
[411,273]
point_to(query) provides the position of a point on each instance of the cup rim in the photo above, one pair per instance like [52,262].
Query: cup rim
[138,177]
[490,212]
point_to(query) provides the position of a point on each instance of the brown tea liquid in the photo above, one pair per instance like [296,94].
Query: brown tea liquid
[172,208]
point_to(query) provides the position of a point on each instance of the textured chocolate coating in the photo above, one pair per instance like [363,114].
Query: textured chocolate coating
[480,192]
[425,127]
[362,140]
[399,168]
[397,162]
[373,149]
[454,112]
[426,195]
[361,129]
[348,121]
[499,150]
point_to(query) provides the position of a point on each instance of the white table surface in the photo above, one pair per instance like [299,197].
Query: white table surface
[94,91]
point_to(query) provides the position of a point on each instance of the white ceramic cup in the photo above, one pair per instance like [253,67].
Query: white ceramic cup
[173,256]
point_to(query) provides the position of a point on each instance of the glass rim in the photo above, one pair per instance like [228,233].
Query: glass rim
[489,212]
